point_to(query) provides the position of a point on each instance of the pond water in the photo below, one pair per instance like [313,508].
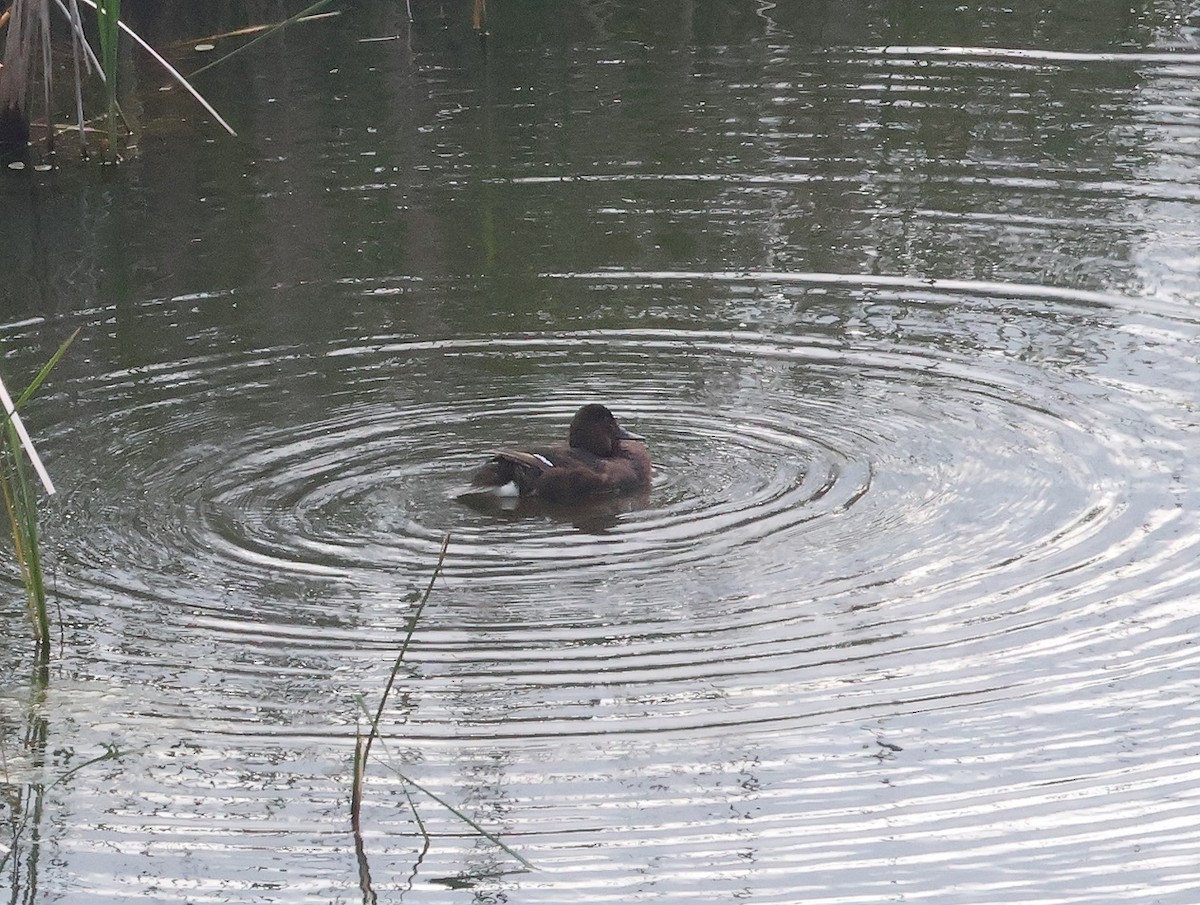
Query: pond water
[904,297]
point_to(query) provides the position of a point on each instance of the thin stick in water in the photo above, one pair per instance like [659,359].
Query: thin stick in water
[362,747]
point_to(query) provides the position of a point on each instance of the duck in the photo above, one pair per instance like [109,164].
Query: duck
[600,459]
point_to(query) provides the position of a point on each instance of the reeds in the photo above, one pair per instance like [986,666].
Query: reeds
[108,20]
[171,70]
[19,490]
[26,61]
[26,47]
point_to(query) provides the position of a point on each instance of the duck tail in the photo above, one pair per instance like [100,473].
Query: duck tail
[496,473]
[512,472]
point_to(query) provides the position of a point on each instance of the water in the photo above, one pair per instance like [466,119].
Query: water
[903,297]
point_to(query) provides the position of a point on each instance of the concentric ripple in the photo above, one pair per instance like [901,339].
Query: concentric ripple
[922,561]
[835,496]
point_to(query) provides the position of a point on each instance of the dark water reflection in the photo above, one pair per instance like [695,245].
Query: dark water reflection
[904,297]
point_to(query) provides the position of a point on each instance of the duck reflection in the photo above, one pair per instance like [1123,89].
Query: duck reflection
[598,516]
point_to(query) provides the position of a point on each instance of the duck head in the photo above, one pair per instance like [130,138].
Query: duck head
[595,429]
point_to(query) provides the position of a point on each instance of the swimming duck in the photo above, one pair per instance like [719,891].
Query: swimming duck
[600,458]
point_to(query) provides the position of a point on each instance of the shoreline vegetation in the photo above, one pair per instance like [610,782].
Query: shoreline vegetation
[28,80]
[36,107]
[19,488]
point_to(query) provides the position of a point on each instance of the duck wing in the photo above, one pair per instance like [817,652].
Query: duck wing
[513,472]
[532,460]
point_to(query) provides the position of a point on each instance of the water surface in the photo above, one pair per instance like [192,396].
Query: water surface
[904,299]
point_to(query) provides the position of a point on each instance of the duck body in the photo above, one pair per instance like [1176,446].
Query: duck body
[599,459]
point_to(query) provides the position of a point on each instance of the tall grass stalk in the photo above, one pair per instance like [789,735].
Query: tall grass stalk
[26,43]
[21,504]
[362,750]
[19,491]
[108,20]
[78,47]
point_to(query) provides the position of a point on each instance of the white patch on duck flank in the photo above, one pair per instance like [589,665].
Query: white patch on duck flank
[507,490]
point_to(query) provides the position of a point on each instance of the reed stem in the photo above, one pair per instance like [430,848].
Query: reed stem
[19,491]
[362,748]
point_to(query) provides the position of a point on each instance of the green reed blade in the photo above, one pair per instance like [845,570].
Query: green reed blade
[20,501]
[11,417]
[108,18]
[45,371]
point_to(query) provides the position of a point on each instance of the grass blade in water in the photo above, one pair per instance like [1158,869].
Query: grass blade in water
[20,500]
[108,18]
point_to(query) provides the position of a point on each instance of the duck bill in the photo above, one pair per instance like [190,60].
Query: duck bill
[629,435]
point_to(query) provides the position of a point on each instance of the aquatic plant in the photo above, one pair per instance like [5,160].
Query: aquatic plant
[27,61]
[23,790]
[19,491]
[27,40]
[362,753]
[108,18]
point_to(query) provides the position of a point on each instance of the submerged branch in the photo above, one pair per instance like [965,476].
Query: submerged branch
[300,16]
[303,16]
